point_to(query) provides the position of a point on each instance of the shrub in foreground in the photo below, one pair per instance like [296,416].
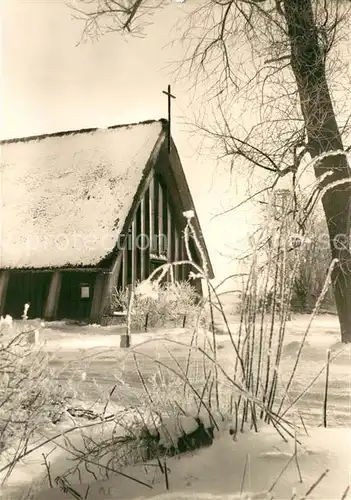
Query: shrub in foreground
[30,397]
[160,304]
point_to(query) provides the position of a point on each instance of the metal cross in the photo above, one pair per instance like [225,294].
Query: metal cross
[170,96]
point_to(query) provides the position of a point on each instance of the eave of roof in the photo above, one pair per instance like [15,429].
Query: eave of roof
[64,133]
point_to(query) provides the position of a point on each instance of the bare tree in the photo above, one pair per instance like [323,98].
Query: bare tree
[289,79]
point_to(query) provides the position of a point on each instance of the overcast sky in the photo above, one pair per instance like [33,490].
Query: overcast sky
[49,83]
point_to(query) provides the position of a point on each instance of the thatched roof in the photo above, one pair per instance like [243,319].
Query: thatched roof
[65,196]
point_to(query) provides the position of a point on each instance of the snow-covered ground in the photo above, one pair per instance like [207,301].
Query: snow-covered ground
[92,358]
[103,359]
[252,464]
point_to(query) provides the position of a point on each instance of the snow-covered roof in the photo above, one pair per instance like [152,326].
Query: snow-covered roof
[64,197]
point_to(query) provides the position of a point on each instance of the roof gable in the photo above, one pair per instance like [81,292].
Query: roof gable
[64,197]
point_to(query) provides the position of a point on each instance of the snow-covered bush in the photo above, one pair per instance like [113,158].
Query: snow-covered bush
[159,304]
[292,245]
[30,397]
[167,436]
[282,276]
[164,422]
[314,260]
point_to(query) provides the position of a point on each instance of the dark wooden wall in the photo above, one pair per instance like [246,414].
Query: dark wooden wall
[71,304]
[26,287]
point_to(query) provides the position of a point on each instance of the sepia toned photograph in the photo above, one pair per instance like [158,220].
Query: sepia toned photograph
[175,250]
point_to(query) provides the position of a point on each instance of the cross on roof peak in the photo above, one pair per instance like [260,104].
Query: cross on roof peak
[170,97]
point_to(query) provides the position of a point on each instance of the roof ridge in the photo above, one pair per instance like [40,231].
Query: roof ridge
[163,121]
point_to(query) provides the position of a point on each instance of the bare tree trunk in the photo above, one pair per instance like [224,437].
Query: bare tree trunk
[308,65]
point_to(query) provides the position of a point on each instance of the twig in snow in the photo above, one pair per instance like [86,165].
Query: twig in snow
[107,468]
[314,485]
[314,313]
[244,475]
[47,466]
[325,404]
[281,473]
[166,474]
[63,484]
[302,393]
[297,461]
[344,495]
[160,465]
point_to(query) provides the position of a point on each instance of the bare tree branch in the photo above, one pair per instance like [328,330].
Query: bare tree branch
[287,82]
